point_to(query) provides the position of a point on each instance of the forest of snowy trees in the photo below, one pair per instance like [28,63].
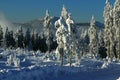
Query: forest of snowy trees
[67,42]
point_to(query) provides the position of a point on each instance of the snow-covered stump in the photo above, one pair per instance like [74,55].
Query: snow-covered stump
[16,62]
[118,78]
[12,60]
[106,64]
[9,60]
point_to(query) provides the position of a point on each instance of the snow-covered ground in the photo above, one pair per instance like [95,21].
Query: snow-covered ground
[28,65]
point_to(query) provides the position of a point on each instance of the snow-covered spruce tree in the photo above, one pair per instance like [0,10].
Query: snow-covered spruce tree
[61,35]
[93,38]
[112,36]
[116,23]
[47,29]
[66,36]
[108,28]
[64,12]
[71,39]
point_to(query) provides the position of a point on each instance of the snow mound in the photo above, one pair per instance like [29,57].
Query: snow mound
[30,65]
[118,78]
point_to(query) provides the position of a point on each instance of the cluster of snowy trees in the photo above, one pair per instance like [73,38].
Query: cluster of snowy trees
[107,45]
[112,29]
[68,42]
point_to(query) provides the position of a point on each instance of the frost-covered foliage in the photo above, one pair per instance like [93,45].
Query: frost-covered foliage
[108,29]
[61,32]
[116,24]
[47,23]
[71,41]
[70,23]
[93,38]
[66,35]
[100,38]
[61,35]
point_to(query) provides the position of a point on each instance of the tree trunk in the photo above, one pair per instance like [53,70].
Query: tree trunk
[61,56]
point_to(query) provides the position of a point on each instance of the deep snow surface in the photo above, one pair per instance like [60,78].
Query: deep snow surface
[44,66]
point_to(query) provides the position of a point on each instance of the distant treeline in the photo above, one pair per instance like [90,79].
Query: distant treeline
[28,40]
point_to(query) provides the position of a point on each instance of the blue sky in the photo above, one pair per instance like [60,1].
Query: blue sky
[26,10]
